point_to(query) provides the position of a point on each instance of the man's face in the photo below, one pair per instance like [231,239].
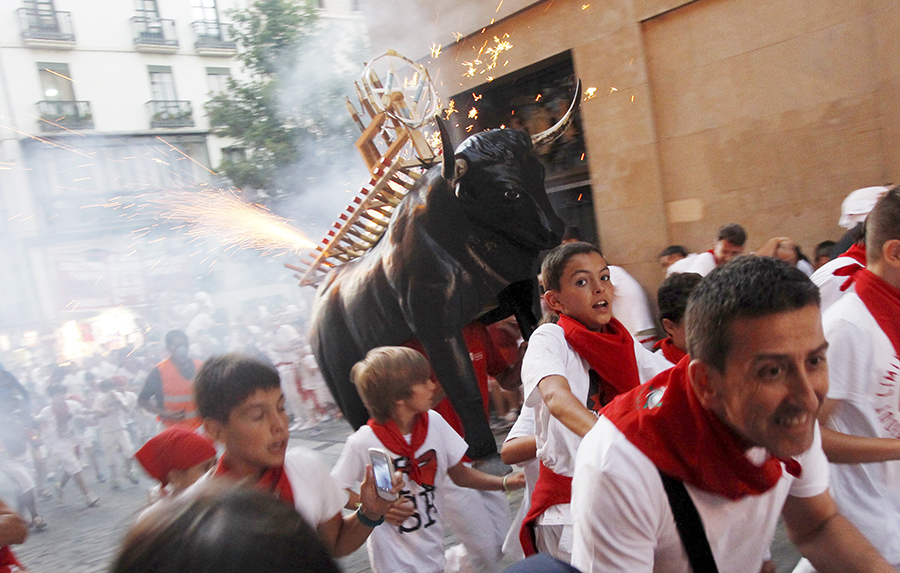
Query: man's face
[774,381]
[725,250]
[585,291]
[256,434]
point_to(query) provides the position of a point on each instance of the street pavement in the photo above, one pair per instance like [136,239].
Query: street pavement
[84,540]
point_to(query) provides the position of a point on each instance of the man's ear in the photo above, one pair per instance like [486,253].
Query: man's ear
[669,326]
[890,252]
[704,388]
[552,299]
[214,429]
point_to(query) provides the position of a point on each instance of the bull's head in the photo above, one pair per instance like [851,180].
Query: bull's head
[500,182]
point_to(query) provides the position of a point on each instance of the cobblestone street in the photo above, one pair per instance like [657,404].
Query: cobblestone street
[84,540]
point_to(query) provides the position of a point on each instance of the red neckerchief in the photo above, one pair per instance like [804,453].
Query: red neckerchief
[610,353]
[715,258]
[273,480]
[551,489]
[665,421]
[8,561]
[420,470]
[672,353]
[858,254]
[883,301]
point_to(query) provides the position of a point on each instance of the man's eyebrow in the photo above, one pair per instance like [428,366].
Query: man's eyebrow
[776,356]
[579,271]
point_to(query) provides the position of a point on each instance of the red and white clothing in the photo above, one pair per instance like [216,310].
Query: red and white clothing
[57,424]
[631,307]
[864,373]
[623,521]
[550,354]
[524,427]
[315,495]
[834,277]
[418,545]
[700,263]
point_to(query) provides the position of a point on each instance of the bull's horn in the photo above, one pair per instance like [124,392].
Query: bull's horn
[449,164]
[550,135]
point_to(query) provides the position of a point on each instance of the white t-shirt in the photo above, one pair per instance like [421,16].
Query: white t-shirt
[700,263]
[630,304]
[418,545]
[549,354]
[111,420]
[623,521]
[864,373]
[830,284]
[316,496]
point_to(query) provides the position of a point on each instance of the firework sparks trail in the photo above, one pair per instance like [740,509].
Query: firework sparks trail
[231,220]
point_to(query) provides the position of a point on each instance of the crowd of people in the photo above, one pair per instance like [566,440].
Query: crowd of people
[771,394]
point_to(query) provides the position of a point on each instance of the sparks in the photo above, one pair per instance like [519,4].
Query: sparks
[538,98]
[451,109]
[457,36]
[477,97]
[231,219]
[473,113]
[590,93]
[435,51]
[585,6]
[612,89]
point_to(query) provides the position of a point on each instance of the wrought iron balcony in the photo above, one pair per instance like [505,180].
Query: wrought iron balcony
[62,115]
[170,113]
[46,26]
[154,34]
[213,38]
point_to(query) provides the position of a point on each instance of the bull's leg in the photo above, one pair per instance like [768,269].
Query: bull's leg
[336,353]
[523,298]
[450,361]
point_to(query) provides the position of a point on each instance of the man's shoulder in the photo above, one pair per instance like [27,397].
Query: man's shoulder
[608,451]
[848,310]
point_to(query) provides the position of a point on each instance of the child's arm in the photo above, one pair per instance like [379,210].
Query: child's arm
[464,476]
[519,450]
[401,509]
[564,406]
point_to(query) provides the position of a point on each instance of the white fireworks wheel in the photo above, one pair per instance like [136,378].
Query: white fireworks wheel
[401,88]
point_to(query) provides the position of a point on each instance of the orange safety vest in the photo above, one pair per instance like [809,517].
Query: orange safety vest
[178,394]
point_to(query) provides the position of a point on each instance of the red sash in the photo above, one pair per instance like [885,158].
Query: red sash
[551,489]
[665,421]
[883,301]
[8,561]
[858,254]
[274,480]
[422,471]
[672,353]
[610,353]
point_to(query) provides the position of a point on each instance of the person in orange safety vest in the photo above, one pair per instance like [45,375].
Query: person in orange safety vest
[168,391]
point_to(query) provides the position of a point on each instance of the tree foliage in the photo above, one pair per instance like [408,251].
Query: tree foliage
[276,118]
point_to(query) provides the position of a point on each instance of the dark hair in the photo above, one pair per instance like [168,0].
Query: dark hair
[672,250]
[733,233]
[823,249]
[883,224]
[748,286]
[172,335]
[572,232]
[673,293]
[223,529]
[107,384]
[53,389]
[555,262]
[225,381]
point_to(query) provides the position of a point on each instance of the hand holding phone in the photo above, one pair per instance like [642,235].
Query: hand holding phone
[384,471]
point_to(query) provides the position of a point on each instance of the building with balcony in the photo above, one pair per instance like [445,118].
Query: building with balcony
[101,104]
[696,113]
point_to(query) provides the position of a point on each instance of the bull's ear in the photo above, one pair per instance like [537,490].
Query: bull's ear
[448,170]
[461,168]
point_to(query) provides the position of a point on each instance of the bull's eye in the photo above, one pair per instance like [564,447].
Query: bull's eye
[511,194]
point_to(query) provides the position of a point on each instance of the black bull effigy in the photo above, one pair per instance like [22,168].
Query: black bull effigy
[464,239]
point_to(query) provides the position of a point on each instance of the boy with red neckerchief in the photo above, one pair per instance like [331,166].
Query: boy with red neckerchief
[395,384]
[733,428]
[242,406]
[671,298]
[570,370]
[861,416]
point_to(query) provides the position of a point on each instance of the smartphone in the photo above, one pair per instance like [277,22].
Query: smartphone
[384,471]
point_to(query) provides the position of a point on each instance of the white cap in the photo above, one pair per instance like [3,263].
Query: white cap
[858,204]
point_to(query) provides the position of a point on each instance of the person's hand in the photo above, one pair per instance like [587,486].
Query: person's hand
[400,511]
[515,481]
[373,505]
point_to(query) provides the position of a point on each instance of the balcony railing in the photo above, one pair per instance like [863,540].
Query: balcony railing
[212,36]
[154,33]
[170,113]
[46,26]
[62,115]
